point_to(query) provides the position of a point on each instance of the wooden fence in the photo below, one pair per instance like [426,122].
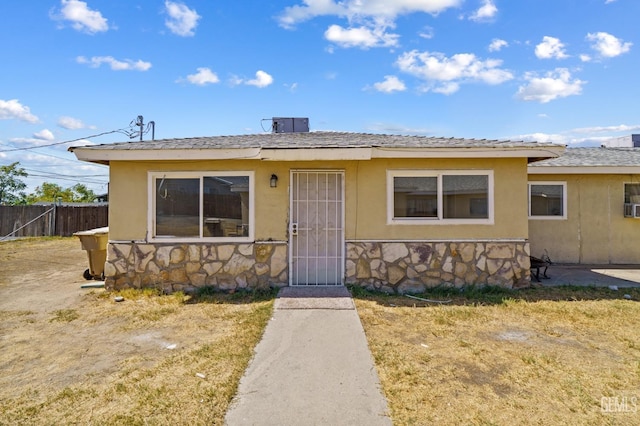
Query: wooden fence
[51,220]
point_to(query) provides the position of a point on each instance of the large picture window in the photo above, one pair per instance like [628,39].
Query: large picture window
[416,196]
[547,200]
[202,205]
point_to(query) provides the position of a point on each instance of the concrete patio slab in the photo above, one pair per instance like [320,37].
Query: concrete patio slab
[592,275]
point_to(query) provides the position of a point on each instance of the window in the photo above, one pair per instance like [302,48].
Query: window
[632,200]
[547,200]
[632,193]
[201,205]
[421,197]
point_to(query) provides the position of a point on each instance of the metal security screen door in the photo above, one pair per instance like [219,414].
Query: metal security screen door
[316,229]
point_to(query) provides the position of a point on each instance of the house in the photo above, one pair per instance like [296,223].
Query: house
[391,213]
[584,207]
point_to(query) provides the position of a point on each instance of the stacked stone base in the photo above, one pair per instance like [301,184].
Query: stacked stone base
[391,267]
[413,267]
[187,267]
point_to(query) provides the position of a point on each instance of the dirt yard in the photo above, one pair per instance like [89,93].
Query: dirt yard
[40,297]
[73,355]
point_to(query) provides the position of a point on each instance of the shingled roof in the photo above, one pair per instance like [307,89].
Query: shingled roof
[315,140]
[256,143]
[591,160]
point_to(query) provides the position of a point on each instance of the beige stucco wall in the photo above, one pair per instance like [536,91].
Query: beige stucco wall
[365,197]
[596,231]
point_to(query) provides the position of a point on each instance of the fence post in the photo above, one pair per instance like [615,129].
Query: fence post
[55,219]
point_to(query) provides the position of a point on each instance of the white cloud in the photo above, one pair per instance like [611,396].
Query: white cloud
[608,129]
[553,85]
[586,136]
[44,135]
[550,47]
[607,45]
[427,33]
[262,80]
[234,80]
[293,87]
[14,109]
[182,21]
[71,123]
[448,88]
[81,17]
[390,128]
[540,137]
[445,74]
[486,12]
[115,64]
[585,58]
[34,141]
[362,9]
[497,45]
[390,84]
[203,77]
[362,37]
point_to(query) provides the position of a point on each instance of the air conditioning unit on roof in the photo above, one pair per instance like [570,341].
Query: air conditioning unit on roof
[289,124]
[632,210]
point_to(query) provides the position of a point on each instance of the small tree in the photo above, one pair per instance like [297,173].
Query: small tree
[82,194]
[11,185]
[52,192]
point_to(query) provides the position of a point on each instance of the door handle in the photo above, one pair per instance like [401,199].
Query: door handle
[294,229]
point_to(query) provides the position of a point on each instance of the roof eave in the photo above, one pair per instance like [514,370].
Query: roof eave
[104,156]
[542,152]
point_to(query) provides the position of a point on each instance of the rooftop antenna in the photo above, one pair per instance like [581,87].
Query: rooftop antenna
[139,122]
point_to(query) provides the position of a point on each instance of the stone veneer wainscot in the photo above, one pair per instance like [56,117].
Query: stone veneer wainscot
[186,267]
[412,267]
[392,267]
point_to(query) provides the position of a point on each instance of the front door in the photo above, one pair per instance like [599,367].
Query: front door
[316,229]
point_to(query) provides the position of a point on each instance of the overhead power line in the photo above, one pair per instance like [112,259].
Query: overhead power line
[130,132]
[94,182]
[59,143]
[64,175]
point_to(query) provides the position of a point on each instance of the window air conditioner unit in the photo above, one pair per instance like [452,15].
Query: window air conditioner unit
[632,210]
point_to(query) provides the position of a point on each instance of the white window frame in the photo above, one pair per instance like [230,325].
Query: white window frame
[439,220]
[564,200]
[155,175]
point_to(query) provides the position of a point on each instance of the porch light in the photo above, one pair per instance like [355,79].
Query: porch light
[273,182]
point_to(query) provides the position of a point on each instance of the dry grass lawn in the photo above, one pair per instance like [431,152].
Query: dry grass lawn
[147,380]
[539,356]
[72,356]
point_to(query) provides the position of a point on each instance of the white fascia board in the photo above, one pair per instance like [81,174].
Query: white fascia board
[308,154]
[515,152]
[315,154]
[99,155]
[584,170]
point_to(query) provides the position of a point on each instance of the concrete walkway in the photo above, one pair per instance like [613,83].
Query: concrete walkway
[312,366]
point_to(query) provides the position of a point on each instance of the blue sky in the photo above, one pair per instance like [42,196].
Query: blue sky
[549,70]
